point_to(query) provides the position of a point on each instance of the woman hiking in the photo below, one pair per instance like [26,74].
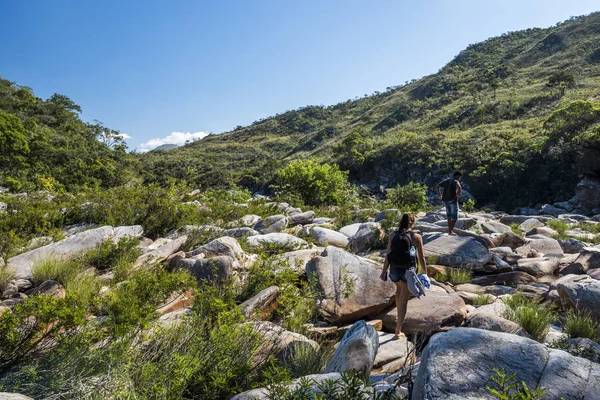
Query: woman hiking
[400,259]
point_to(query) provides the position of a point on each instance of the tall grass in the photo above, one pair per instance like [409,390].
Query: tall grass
[581,324]
[6,275]
[455,276]
[534,317]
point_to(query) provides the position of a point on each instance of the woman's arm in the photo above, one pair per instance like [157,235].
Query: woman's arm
[418,241]
[385,261]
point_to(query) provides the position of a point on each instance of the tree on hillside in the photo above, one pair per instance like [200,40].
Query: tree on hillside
[313,183]
[562,81]
[13,142]
[351,152]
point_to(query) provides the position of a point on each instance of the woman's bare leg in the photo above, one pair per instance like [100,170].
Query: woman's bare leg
[401,304]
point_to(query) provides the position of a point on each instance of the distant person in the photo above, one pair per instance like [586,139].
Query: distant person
[452,191]
[403,249]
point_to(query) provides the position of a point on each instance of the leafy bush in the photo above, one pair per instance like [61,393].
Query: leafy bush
[411,197]
[109,254]
[313,183]
[469,205]
[581,324]
[534,317]
[507,389]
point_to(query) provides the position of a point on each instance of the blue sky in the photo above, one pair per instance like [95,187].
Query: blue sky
[154,68]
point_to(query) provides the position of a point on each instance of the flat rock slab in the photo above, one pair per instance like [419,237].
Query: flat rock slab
[457,251]
[507,279]
[538,266]
[391,349]
[495,227]
[62,250]
[281,241]
[458,365]
[435,312]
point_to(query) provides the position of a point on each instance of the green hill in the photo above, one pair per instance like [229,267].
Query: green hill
[484,113]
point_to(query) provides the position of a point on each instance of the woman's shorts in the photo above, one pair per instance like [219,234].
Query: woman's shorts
[397,274]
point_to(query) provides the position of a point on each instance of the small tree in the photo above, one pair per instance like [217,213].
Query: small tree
[314,183]
[411,197]
[562,81]
[13,142]
[351,152]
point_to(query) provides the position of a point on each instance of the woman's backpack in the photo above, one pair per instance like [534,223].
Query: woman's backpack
[399,254]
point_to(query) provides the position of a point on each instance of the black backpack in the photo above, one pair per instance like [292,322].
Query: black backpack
[400,252]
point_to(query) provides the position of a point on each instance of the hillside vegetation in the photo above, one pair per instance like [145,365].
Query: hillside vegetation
[489,112]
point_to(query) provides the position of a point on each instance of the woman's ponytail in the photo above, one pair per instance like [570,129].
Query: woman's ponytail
[406,222]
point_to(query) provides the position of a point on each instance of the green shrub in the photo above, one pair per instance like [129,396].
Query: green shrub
[482,300]
[109,254]
[132,302]
[534,317]
[468,205]
[507,389]
[581,324]
[314,183]
[411,197]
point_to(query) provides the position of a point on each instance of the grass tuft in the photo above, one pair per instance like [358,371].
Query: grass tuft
[581,324]
[534,317]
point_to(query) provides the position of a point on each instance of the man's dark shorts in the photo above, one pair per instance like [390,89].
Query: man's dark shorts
[452,209]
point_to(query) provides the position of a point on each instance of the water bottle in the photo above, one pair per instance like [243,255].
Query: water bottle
[413,251]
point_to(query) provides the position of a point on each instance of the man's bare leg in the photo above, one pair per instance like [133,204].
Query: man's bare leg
[451,224]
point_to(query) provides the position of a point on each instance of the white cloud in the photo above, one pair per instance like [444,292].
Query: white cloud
[125,136]
[178,138]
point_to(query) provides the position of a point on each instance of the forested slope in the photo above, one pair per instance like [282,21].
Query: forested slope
[485,112]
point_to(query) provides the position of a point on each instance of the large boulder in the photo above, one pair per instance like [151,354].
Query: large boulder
[249,220]
[457,251]
[545,246]
[582,295]
[492,322]
[519,219]
[223,246]
[239,233]
[538,266]
[274,223]
[302,218]
[277,342]
[327,237]
[298,259]
[461,223]
[161,253]
[350,285]
[369,236]
[588,193]
[279,241]
[459,365]
[215,269]
[350,230]
[262,304]
[495,227]
[356,351]
[589,258]
[62,250]
[434,312]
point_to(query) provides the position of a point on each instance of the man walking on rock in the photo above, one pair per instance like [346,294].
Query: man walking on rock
[452,191]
